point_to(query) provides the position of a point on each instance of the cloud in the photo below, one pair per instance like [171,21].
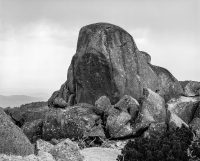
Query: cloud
[36,56]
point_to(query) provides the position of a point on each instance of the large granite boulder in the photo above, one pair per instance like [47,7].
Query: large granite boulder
[12,139]
[72,122]
[108,63]
[184,107]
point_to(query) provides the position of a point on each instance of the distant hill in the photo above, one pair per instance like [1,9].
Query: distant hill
[17,100]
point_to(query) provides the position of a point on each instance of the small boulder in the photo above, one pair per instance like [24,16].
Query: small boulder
[128,104]
[102,104]
[96,131]
[66,151]
[60,102]
[44,156]
[184,107]
[191,88]
[118,124]
[43,145]
[152,111]
[153,106]
[100,154]
[12,139]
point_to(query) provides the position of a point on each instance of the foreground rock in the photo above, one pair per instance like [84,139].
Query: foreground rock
[191,88]
[44,145]
[108,63]
[72,122]
[184,107]
[100,154]
[66,151]
[12,139]
[42,156]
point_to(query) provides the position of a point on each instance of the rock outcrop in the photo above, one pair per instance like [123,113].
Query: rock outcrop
[108,63]
[12,139]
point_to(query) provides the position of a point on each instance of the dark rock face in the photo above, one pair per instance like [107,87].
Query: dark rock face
[108,63]
[12,139]
[72,122]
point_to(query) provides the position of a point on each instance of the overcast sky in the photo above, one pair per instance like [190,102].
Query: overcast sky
[38,37]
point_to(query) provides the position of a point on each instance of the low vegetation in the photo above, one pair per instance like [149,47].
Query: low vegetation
[175,145]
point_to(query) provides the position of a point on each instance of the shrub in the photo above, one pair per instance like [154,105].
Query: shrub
[171,146]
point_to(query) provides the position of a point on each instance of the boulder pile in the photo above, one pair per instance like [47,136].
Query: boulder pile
[124,90]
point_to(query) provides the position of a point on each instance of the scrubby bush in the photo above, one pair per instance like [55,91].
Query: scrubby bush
[174,145]
[27,112]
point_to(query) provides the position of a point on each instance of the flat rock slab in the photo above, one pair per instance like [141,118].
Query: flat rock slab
[100,154]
